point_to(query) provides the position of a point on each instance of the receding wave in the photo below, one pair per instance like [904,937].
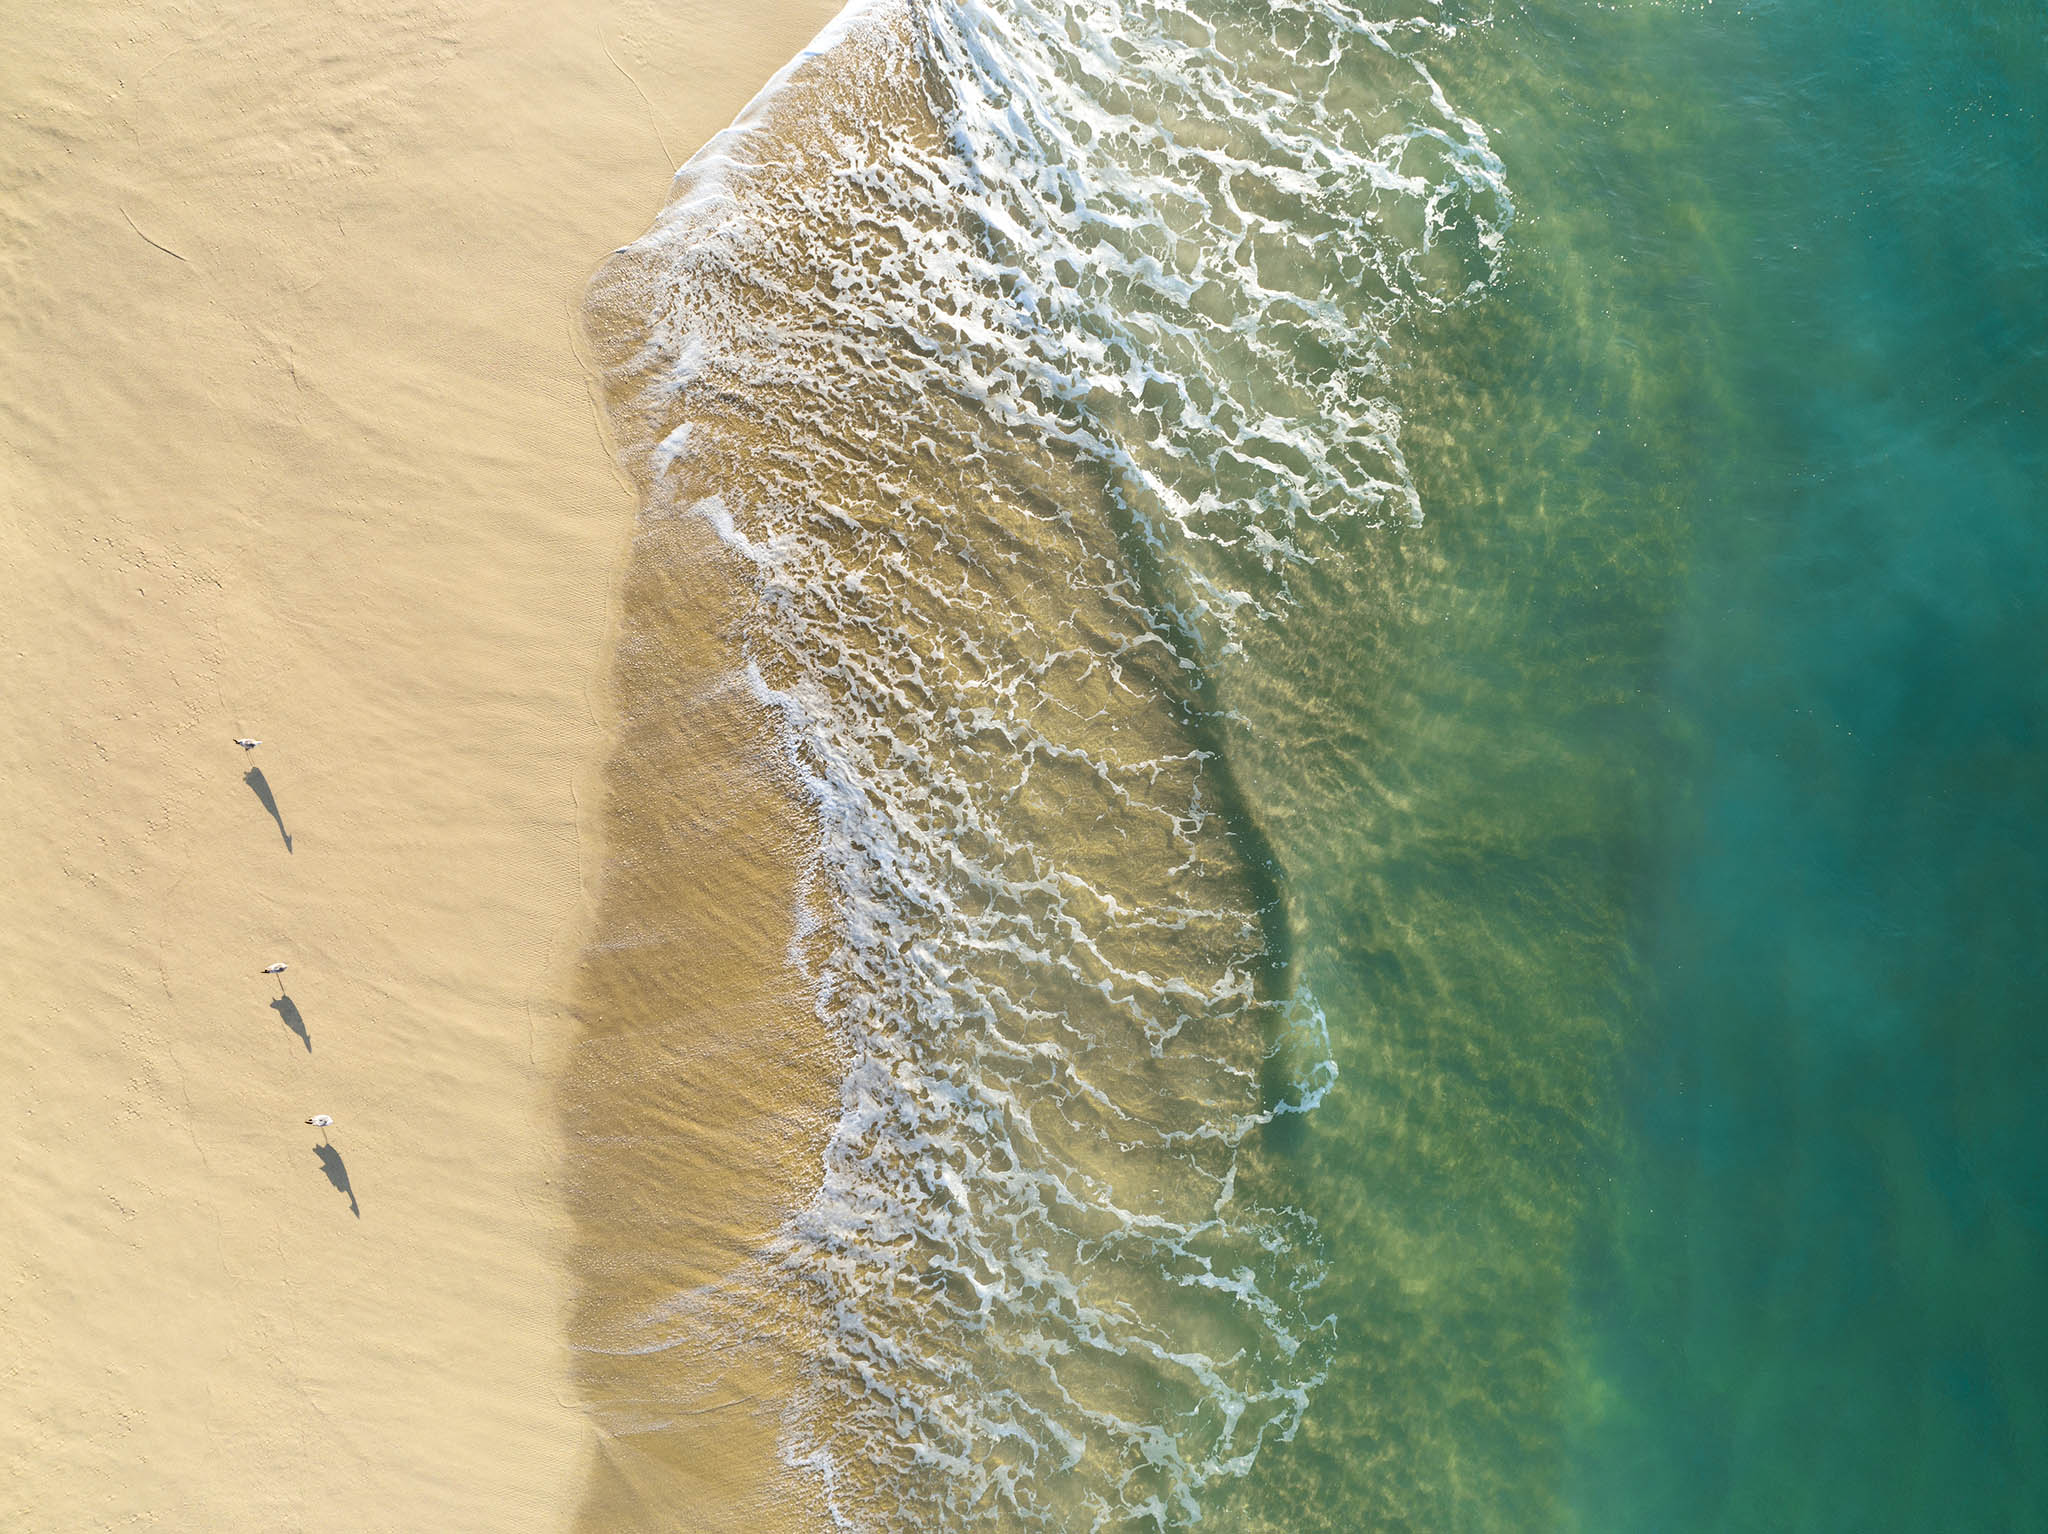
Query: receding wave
[1014,354]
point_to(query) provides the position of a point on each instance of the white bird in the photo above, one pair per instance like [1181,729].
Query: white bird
[273,969]
[320,1120]
[246,744]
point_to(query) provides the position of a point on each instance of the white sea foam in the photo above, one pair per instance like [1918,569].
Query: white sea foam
[1013,351]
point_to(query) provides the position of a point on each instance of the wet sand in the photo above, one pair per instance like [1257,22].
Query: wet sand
[295,444]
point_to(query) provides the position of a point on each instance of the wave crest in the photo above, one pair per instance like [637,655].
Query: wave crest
[1006,350]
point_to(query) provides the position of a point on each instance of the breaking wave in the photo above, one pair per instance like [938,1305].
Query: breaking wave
[1014,352]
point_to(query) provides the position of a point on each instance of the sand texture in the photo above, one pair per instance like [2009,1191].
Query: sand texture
[295,444]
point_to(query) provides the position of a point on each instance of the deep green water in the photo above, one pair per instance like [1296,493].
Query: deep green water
[1666,819]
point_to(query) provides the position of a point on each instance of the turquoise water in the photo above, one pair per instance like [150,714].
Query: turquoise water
[1818,1303]
[1689,1170]
[1417,644]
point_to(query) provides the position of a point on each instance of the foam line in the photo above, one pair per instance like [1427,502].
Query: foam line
[1019,407]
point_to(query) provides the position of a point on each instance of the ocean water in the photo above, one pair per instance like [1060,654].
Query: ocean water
[1414,640]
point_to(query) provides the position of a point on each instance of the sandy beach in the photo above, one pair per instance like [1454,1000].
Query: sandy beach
[295,445]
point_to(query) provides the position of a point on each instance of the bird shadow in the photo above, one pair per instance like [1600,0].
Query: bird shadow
[261,785]
[295,1020]
[331,1164]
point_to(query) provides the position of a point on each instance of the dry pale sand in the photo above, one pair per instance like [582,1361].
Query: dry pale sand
[294,443]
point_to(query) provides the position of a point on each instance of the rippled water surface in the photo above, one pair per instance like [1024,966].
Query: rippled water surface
[1414,639]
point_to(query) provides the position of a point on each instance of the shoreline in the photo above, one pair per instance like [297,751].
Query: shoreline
[296,447]
[700,1088]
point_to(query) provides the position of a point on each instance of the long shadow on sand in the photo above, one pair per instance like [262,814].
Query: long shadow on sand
[331,1164]
[255,779]
[288,1009]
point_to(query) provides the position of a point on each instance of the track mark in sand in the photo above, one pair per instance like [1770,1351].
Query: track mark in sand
[148,241]
[653,116]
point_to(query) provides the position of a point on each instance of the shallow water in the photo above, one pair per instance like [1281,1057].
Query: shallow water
[1414,645]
